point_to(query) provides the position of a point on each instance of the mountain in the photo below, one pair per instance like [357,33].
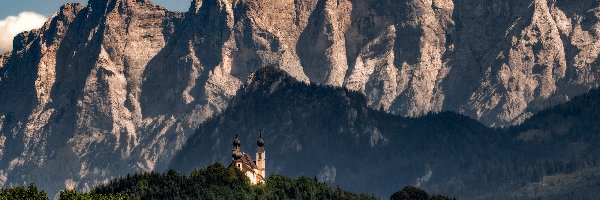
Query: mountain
[119,86]
[329,131]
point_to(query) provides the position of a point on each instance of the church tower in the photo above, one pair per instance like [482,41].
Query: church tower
[260,156]
[236,153]
[253,169]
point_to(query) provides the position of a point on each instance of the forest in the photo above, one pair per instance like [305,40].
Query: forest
[213,182]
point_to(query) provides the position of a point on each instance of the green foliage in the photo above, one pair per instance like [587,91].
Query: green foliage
[21,192]
[413,193]
[281,187]
[74,195]
[216,182]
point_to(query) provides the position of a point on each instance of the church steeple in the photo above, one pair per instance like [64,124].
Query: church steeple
[236,153]
[261,155]
[253,169]
[236,142]
[260,142]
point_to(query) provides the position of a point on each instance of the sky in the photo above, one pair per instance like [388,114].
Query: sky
[23,15]
[47,7]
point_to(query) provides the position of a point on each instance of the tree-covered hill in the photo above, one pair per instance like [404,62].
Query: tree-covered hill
[316,129]
[213,182]
[30,192]
[219,182]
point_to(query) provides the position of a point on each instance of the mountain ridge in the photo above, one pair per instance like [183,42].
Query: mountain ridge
[120,86]
[444,152]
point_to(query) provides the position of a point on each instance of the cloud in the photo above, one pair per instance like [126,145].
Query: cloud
[425,178]
[327,174]
[13,25]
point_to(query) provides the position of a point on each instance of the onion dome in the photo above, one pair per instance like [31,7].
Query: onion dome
[260,141]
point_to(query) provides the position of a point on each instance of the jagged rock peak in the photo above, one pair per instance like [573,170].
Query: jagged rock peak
[196,5]
[202,9]
[109,5]
[100,2]
[267,75]
[3,58]
[212,3]
[67,13]
[70,9]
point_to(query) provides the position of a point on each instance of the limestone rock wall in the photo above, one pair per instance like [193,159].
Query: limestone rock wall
[118,86]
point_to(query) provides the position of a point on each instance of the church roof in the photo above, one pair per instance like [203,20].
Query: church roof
[248,161]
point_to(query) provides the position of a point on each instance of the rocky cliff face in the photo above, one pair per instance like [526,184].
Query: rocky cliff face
[495,61]
[118,86]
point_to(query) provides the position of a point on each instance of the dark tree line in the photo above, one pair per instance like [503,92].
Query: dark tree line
[213,182]
[30,192]
[413,193]
[219,182]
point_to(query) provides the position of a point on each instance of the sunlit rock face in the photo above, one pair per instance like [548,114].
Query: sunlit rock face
[495,61]
[118,86]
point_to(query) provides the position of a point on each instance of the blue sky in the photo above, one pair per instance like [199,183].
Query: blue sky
[47,7]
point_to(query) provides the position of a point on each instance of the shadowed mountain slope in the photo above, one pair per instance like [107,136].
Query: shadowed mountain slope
[329,131]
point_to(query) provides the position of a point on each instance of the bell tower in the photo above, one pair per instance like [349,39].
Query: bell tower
[236,153]
[260,156]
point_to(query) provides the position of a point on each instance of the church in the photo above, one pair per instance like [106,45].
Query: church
[254,170]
